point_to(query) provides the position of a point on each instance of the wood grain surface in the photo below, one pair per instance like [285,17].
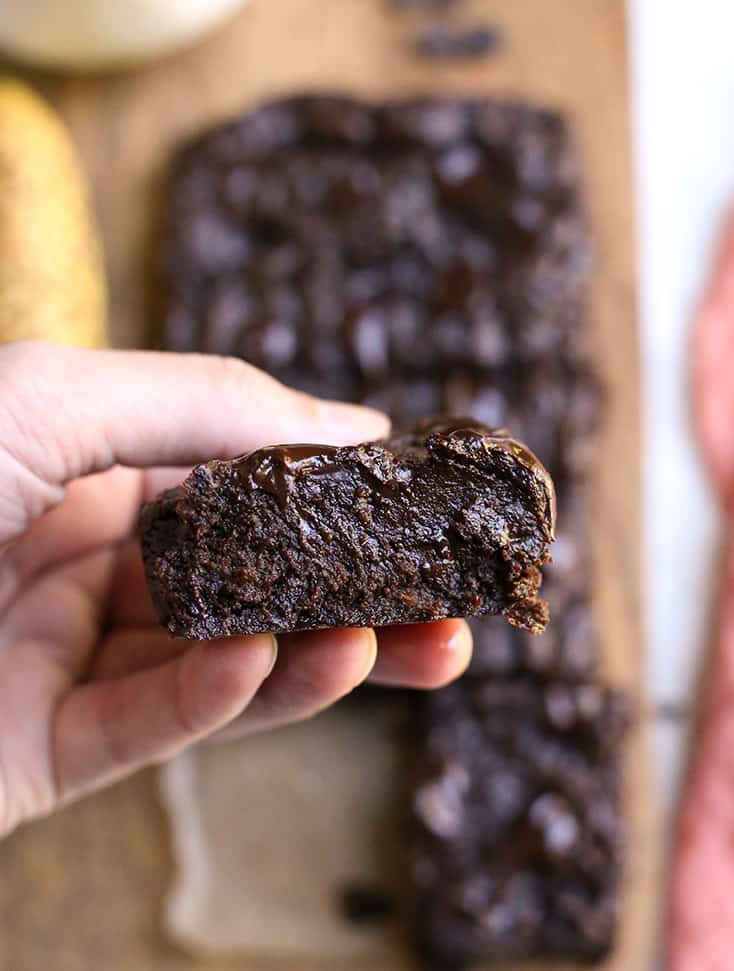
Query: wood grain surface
[83,890]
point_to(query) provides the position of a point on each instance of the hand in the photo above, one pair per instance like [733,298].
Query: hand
[91,688]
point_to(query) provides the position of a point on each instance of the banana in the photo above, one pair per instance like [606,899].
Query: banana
[52,282]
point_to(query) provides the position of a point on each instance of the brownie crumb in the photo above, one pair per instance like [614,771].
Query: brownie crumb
[451,43]
[424,6]
[366,904]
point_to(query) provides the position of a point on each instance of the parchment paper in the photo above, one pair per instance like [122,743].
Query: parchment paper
[267,831]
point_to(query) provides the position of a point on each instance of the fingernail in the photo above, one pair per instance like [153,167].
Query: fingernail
[461,643]
[348,424]
[370,653]
[274,649]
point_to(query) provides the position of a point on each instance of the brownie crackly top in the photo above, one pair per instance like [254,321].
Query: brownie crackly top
[450,519]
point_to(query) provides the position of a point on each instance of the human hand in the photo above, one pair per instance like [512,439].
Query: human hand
[91,688]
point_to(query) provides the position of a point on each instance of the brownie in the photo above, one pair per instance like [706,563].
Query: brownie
[304,536]
[554,409]
[516,805]
[340,245]
[431,256]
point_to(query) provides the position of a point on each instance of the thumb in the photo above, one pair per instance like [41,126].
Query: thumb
[66,412]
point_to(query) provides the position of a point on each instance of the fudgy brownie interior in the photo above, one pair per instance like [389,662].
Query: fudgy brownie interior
[297,537]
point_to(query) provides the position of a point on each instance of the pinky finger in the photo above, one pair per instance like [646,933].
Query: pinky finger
[107,729]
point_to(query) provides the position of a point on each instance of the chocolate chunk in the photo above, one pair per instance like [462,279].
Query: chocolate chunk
[451,42]
[425,122]
[296,537]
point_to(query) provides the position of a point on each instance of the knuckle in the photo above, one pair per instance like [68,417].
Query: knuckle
[30,371]
[22,359]
[26,369]
[308,407]
[243,378]
[6,823]
[232,372]
[186,717]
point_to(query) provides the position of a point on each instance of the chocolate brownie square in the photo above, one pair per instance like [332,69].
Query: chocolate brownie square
[338,244]
[518,844]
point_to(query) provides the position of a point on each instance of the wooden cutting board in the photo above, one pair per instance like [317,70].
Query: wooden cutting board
[84,889]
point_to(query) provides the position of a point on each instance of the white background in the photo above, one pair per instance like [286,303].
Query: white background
[682,61]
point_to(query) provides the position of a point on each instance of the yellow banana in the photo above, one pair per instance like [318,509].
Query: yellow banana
[52,282]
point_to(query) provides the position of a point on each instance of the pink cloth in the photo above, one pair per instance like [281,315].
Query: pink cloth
[713,369]
[701,927]
[701,919]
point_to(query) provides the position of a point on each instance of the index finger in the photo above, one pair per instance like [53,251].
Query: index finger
[66,412]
